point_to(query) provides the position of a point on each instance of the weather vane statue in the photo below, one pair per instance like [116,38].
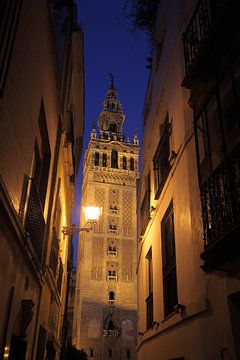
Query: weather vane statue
[111,79]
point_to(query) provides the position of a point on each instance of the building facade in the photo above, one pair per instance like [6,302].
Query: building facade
[188,209]
[106,298]
[41,122]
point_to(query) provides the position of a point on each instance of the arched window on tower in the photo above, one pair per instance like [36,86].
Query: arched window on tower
[124,163]
[114,159]
[110,325]
[96,159]
[104,159]
[111,298]
[113,127]
[131,163]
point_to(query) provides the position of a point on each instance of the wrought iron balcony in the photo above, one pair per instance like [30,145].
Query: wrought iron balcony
[220,198]
[149,305]
[34,220]
[197,31]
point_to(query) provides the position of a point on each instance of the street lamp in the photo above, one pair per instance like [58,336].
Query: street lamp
[92,214]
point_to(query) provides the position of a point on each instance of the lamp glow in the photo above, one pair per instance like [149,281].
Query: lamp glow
[92,213]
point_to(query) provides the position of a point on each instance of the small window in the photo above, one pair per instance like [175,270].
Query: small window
[110,353]
[128,354]
[104,160]
[110,325]
[111,295]
[96,159]
[124,163]
[113,127]
[91,352]
[131,164]
[114,159]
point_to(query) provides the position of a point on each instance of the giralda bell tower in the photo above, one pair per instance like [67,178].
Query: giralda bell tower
[106,291]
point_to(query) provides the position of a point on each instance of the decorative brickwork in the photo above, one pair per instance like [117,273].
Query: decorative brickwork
[127,260]
[127,213]
[97,258]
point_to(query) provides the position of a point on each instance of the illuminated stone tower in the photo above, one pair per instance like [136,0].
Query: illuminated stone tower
[106,293]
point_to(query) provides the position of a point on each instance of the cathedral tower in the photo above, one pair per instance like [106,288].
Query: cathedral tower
[106,293]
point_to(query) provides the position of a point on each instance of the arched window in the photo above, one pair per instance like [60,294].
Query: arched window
[111,295]
[113,127]
[114,159]
[104,160]
[96,160]
[110,325]
[124,162]
[131,163]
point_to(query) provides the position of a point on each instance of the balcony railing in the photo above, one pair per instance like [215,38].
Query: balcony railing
[34,220]
[111,333]
[149,305]
[112,277]
[220,198]
[145,212]
[111,302]
[198,29]
[112,252]
[113,229]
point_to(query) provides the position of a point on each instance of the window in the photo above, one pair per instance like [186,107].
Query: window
[112,274]
[161,164]
[114,159]
[91,352]
[9,16]
[113,127]
[112,251]
[53,261]
[109,353]
[96,159]
[104,160]
[124,163]
[145,207]
[169,261]
[149,299]
[60,276]
[131,163]
[42,159]
[128,354]
[31,211]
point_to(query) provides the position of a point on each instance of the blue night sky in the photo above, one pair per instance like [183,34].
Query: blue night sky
[109,46]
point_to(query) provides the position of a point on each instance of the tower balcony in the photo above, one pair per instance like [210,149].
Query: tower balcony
[112,277]
[111,333]
[220,199]
[113,229]
[112,253]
